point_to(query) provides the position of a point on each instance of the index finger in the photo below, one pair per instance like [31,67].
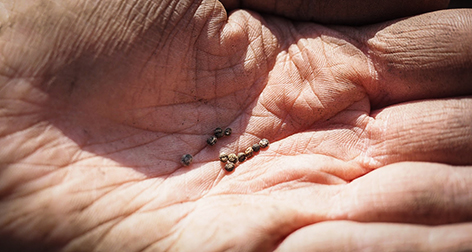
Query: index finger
[422,57]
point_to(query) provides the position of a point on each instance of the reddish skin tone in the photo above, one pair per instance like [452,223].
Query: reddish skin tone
[370,129]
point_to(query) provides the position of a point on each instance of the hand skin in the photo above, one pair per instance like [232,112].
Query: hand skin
[370,129]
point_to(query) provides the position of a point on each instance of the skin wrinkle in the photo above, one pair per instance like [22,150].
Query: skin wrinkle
[329,67]
[442,205]
[116,219]
[168,235]
[216,181]
[20,85]
[294,170]
[25,215]
[415,237]
[16,194]
[162,40]
[77,43]
[110,223]
[31,149]
[106,31]
[311,88]
[179,234]
[93,238]
[96,146]
[449,131]
[369,161]
[178,238]
[458,186]
[18,131]
[84,35]
[363,145]
[135,22]
[107,232]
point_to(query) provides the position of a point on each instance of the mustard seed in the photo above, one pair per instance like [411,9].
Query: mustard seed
[218,132]
[229,166]
[186,159]
[228,131]
[241,157]
[223,157]
[232,158]
[264,143]
[211,140]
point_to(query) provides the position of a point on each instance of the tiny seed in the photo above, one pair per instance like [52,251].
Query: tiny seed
[186,159]
[228,131]
[229,166]
[211,140]
[256,147]
[241,157]
[232,158]
[218,132]
[249,152]
[264,143]
[223,157]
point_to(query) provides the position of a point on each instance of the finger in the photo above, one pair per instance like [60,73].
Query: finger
[426,56]
[434,131]
[353,236]
[422,193]
[340,11]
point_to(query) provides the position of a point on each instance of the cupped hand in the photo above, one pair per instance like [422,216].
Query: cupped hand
[370,129]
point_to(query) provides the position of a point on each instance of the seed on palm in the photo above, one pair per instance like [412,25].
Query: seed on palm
[186,159]
[212,140]
[229,166]
[223,157]
[232,158]
[241,157]
[256,147]
[228,131]
[264,143]
[249,152]
[218,132]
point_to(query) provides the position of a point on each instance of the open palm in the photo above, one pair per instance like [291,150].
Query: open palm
[97,113]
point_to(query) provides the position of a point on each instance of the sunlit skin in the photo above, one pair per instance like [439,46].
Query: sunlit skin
[369,127]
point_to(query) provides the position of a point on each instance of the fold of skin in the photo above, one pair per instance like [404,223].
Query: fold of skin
[99,100]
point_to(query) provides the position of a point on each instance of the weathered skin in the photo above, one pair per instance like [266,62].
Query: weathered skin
[370,127]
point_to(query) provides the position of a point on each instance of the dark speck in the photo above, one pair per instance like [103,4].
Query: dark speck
[186,159]
[211,140]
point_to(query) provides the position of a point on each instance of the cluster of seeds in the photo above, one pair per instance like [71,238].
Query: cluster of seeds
[232,159]
[186,159]
[218,133]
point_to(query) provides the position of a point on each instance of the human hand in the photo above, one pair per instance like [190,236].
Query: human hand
[100,102]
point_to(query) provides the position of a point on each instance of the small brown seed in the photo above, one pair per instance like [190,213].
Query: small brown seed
[229,166]
[218,132]
[228,131]
[186,159]
[211,140]
[256,147]
[223,157]
[249,152]
[241,157]
[264,143]
[232,158]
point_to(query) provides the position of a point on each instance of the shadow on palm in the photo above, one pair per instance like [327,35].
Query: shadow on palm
[274,79]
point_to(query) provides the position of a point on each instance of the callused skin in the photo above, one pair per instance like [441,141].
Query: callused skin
[369,127]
